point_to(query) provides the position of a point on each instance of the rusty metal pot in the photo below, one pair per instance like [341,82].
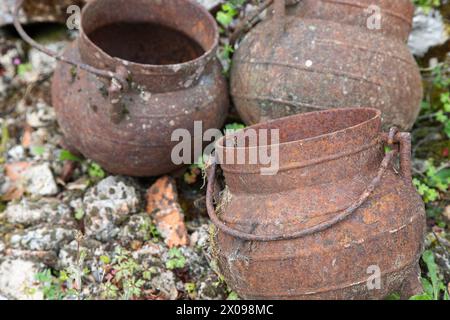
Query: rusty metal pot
[139,70]
[336,212]
[322,55]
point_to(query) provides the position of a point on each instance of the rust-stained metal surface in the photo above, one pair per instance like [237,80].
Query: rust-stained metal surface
[333,173]
[126,124]
[325,57]
[396,16]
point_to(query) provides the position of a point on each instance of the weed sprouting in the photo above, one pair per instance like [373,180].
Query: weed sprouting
[176,259]
[433,283]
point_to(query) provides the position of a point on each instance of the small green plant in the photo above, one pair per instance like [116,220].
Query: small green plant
[24,68]
[442,115]
[4,141]
[433,285]
[428,194]
[79,214]
[66,155]
[434,180]
[105,259]
[228,12]
[232,296]
[176,259]
[190,289]
[73,275]
[197,169]
[37,150]
[129,276]
[50,285]
[132,287]
[150,231]
[109,290]
[69,282]
[440,77]
[95,171]
[233,127]
[427,5]
[226,53]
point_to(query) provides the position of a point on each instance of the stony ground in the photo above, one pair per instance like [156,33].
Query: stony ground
[69,230]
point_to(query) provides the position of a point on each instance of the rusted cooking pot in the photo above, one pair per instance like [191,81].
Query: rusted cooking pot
[139,70]
[322,55]
[336,213]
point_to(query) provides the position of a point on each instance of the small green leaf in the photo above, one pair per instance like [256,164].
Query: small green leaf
[428,258]
[66,155]
[232,296]
[423,296]
[441,117]
[176,259]
[190,287]
[147,275]
[447,129]
[38,150]
[63,276]
[234,127]
[105,259]
[24,68]
[224,18]
[79,214]
[427,286]
[95,171]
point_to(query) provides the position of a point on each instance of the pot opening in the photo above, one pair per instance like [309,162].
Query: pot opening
[146,43]
[150,32]
[302,127]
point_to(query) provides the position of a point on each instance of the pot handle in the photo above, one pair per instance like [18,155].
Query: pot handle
[404,139]
[279,15]
[119,78]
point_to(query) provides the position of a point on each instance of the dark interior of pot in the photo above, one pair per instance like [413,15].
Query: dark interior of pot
[303,126]
[150,32]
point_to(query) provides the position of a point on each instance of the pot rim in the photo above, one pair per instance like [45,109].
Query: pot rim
[265,125]
[166,68]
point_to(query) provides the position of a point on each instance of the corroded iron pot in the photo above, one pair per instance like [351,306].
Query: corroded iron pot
[336,212]
[119,110]
[320,54]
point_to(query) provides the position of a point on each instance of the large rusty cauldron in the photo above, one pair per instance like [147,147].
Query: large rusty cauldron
[139,70]
[337,211]
[322,54]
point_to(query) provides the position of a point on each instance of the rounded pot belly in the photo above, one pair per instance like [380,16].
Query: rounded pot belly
[383,238]
[317,64]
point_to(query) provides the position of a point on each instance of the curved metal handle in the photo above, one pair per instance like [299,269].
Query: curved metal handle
[119,78]
[393,137]
[403,139]
[279,15]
